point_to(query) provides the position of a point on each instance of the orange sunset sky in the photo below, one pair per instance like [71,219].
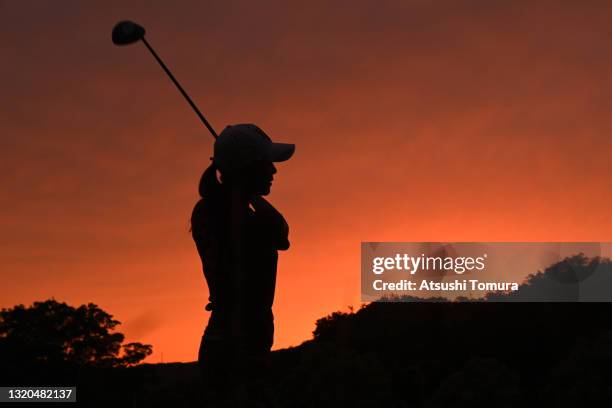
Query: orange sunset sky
[414,121]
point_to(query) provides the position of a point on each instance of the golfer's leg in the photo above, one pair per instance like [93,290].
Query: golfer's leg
[213,363]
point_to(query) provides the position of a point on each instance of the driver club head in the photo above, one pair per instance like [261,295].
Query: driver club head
[127,32]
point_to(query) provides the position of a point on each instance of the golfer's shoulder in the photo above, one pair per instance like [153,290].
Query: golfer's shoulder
[208,216]
[201,217]
[199,209]
[207,207]
[199,212]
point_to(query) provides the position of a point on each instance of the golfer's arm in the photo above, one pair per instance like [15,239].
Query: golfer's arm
[273,222]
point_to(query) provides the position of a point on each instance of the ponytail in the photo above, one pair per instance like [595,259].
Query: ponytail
[209,184]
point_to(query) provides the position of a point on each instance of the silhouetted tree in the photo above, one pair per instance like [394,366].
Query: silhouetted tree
[53,333]
[483,353]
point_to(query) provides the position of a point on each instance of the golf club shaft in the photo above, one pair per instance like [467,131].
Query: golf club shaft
[180,88]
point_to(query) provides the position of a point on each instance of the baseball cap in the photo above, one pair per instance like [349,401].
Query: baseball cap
[237,146]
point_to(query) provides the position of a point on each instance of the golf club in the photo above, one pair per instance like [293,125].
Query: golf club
[128,32]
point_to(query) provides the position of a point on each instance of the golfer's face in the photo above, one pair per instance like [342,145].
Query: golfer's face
[261,176]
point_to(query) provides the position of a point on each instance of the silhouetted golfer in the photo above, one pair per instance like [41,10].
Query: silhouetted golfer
[237,234]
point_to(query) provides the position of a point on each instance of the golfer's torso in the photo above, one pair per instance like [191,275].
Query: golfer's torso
[253,292]
[261,260]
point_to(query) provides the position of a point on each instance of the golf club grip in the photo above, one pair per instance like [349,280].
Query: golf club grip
[180,88]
